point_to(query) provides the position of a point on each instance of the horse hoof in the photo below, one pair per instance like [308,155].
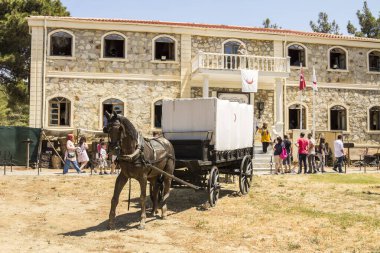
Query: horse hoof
[141,227]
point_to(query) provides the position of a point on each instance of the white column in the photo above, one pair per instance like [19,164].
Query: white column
[205,86]
[185,66]
[279,110]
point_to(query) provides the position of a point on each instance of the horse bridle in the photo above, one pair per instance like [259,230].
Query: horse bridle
[116,145]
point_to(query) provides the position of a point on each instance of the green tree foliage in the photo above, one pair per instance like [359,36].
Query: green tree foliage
[323,25]
[369,24]
[267,24]
[15,54]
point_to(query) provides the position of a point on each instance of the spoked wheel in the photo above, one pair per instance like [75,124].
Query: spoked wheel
[213,187]
[245,177]
[160,183]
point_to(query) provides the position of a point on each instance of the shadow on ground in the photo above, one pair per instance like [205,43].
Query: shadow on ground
[181,199]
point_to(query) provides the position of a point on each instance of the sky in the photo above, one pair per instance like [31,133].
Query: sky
[289,14]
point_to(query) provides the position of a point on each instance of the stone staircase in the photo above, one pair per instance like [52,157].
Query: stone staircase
[261,162]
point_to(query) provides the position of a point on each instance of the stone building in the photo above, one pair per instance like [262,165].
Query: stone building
[82,67]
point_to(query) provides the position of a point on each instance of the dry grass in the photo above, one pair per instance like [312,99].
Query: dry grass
[319,213]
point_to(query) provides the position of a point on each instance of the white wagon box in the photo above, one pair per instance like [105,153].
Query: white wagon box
[229,123]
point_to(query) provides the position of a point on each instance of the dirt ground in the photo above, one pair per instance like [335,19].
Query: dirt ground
[312,213]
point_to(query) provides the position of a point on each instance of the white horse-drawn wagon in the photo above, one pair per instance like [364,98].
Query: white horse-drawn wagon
[210,137]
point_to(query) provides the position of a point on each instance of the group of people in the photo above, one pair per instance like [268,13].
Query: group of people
[307,148]
[77,156]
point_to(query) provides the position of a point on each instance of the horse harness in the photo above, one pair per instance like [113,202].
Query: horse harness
[140,157]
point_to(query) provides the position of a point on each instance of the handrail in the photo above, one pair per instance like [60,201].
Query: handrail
[218,61]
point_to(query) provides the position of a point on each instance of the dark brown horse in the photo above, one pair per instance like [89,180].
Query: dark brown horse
[136,156]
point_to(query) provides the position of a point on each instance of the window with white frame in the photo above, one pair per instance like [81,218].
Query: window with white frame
[374,61]
[297,54]
[164,49]
[338,59]
[338,118]
[61,44]
[59,111]
[157,113]
[114,46]
[295,116]
[112,105]
[374,118]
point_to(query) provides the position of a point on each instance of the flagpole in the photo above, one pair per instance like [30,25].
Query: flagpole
[314,88]
[313,113]
[301,96]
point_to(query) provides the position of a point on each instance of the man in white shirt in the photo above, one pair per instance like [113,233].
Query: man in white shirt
[339,153]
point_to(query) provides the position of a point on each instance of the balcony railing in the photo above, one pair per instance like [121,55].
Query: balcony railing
[215,61]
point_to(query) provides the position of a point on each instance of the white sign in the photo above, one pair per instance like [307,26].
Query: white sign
[242,98]
[249,80]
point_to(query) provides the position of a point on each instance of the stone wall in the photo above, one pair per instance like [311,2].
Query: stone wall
[267,96]
[87,96]
[215,45]
[357,103]
[317,55]
[138,60]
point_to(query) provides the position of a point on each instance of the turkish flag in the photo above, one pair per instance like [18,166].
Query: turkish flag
[302,80]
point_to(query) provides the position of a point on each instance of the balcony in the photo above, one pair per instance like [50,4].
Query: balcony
[228,65]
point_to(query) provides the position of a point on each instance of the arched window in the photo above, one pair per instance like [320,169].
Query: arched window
[338,118]
[157,113]
[374,61]
[374,118]
[231,47]
[338,58]
[114,46]
[295,117]
[59,111]
[164,48]
[61,44]
[297,54]
[112,105]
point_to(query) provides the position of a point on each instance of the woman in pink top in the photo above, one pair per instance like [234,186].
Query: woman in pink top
[302,145]
[82,152]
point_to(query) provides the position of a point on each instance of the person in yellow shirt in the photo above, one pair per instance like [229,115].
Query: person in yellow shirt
[265,136]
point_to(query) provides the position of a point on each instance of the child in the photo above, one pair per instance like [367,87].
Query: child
[113,164]
[103,159]
[97,156]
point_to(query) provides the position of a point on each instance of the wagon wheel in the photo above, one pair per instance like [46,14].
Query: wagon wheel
[213,187]
[245,177]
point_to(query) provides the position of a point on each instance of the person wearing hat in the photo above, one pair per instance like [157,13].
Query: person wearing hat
[70,155]
[265,137]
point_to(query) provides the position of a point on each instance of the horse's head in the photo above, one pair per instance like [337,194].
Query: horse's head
[114,131]
[121,138]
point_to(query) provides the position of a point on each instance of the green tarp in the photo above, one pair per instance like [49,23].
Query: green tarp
[11,143]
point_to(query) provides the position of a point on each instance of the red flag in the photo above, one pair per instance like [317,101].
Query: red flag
[302,80]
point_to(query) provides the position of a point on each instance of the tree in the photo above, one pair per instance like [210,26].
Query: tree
[15,50]
[324,26]
[267,24]
[369,25]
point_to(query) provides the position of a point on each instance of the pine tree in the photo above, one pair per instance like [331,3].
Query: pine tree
[267,24]
[15,44]
[324,26]
[369,25]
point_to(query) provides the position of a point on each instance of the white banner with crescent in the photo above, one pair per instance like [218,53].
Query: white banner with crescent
[249,80]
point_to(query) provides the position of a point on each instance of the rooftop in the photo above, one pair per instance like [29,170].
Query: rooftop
[214,26]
